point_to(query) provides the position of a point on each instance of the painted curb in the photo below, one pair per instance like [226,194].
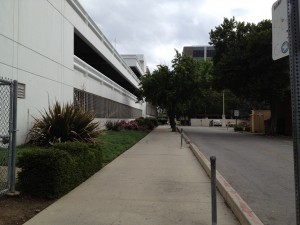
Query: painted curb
[239,207]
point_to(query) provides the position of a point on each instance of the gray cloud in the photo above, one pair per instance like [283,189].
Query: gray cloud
[156,27]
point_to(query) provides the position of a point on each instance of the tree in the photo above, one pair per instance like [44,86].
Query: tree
[243,63]
[209,101]
[156,88]
[173,90]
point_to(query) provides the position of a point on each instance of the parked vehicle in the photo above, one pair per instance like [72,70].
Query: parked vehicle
[215,123]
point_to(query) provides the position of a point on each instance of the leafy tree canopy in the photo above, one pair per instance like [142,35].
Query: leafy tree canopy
[175,89]
[243,63]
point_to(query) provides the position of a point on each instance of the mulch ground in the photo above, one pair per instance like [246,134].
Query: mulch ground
[18,209]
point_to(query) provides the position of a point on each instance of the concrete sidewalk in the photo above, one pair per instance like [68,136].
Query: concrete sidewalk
[154,183]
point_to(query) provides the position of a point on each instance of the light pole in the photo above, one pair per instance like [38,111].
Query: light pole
[223,115]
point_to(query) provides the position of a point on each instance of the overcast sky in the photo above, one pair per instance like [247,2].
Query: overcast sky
[155,28]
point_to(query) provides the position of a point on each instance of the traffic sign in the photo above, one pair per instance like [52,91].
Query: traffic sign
[236,113]
[280,42]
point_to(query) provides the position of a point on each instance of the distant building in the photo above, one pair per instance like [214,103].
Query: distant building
[199,52]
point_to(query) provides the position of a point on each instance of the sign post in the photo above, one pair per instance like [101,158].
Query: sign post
[285,20]
[236,115]
[294,49]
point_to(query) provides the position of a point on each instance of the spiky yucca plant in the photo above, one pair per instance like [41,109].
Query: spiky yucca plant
[63,123]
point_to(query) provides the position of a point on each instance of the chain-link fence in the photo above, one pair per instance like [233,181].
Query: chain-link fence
[8,99]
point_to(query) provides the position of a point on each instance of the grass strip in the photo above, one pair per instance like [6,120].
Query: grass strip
[114,143]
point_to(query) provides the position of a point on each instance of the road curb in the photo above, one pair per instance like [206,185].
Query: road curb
[239,207]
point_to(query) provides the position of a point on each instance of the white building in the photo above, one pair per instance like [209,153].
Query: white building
[56,52]
[137,64]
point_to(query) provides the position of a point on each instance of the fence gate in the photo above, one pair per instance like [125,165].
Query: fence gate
[8,112]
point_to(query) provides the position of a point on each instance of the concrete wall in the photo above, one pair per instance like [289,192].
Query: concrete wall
[37,49]
[205,122]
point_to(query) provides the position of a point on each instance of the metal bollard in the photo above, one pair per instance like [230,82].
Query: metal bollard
[213,190]
[181,132]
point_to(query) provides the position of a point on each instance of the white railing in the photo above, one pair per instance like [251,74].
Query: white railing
[95,74]
[136,59]
[87,19]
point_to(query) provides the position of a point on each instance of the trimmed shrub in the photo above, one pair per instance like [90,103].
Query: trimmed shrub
[46,173]
[141,123]
[116,126]
[238,127]
[87,156]
[109,125]
[162,121]
[52,172]
[147,123]
[241,127]
[153,120]
[131,125]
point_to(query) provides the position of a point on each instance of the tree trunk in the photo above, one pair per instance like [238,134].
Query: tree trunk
[274,117]
[172,121]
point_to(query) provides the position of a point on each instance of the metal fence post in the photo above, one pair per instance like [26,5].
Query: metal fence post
[213,190]
[14,98]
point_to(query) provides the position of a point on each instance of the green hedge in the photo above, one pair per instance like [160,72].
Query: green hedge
[162,121]
[88,157]
[148,123]
[52,172]
[240,127]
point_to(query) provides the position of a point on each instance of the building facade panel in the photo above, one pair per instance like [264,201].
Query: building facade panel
[204,52]
[7,18]
[58,5]
[40,28]
[68,44]
[7,50]
[39,94]
[6,71]
[37,64]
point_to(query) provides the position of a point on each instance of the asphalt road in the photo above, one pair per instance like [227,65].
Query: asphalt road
[259,168]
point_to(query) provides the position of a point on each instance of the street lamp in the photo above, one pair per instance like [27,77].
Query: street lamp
[223,115]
